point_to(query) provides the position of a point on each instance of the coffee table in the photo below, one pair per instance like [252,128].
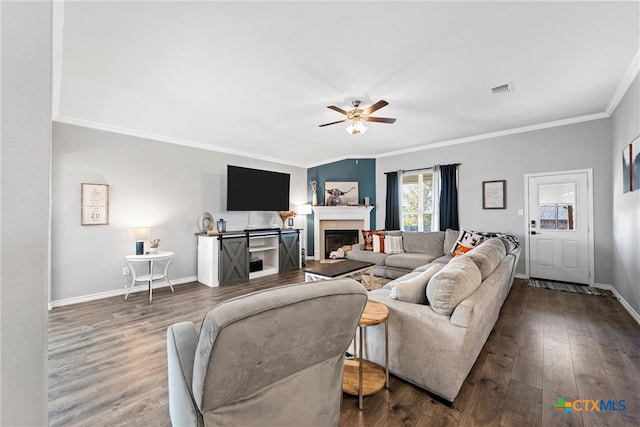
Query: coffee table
[332,269]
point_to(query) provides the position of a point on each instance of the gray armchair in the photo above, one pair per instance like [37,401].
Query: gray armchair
[273,357]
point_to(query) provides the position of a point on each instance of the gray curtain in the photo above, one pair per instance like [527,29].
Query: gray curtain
[392,218]
[449,197]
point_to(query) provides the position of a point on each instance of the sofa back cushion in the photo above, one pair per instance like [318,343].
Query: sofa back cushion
[413,289]
[424,242]
[453,284]
[487,255]
[450,238]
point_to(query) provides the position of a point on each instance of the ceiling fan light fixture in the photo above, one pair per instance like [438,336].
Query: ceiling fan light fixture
[356,117]
[360,127]
[356,127]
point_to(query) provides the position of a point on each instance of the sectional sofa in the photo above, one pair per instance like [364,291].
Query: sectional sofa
[418,249]
[442,312]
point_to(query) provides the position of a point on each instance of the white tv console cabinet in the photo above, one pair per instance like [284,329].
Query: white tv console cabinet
[224,258]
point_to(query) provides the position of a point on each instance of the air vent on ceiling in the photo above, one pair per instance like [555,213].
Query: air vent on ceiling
[507,87]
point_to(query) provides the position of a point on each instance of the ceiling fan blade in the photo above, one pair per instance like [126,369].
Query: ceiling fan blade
[378,105]
[332,123]
[338,109]
[380,120]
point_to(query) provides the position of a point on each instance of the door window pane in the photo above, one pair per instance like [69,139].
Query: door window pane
[557,206]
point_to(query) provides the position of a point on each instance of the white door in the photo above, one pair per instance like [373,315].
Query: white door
[559,227]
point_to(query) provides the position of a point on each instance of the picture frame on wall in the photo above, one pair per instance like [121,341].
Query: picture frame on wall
[634,155]
[494,194]
[626,169]
[341,193]
[94,204]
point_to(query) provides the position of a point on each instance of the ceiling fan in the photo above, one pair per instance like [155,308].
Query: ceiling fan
[356,117]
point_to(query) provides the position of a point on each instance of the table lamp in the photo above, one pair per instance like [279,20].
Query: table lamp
[139,235]
[304,210]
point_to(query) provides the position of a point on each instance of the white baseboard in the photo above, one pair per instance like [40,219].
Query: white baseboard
[117,292]
[620,298]
[521,276]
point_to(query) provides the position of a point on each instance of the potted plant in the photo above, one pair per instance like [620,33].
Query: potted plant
[153,246]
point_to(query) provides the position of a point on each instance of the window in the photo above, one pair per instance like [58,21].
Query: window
[556,206]
[417,200]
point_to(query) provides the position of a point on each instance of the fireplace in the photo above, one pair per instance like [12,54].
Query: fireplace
[334,239]
[337,218]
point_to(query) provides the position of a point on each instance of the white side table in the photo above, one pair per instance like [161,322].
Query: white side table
[159,258]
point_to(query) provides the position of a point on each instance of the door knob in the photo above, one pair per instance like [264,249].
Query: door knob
[535,232]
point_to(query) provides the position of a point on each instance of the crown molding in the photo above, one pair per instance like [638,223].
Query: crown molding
[623,86]
[498,134]
[148,135]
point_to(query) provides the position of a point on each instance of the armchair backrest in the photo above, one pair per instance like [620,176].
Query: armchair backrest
[276,356]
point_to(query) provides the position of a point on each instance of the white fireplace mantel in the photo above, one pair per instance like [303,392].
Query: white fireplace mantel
[337,213]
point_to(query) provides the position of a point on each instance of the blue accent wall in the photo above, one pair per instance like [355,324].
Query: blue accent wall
[362,171]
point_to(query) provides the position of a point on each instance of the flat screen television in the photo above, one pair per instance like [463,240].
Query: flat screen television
[257,190]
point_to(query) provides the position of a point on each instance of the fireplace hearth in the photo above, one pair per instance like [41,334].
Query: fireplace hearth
[334,239]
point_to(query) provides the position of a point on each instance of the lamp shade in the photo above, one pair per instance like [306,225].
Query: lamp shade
[303,210]
[138,234]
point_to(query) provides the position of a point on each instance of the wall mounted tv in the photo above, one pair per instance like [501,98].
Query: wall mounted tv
[256,190]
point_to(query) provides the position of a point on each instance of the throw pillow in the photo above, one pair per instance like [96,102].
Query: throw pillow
[378,243]
[367,236]
[453,284]
[467,240]
[393,245]
[414,289]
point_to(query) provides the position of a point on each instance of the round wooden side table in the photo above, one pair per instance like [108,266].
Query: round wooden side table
[363,377]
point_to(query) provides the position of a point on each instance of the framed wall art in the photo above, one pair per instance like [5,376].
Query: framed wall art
[494,194]
[94,204]
[635,164]
[627,179]
[341,193]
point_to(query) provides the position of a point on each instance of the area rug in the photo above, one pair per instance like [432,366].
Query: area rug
[561,286]
[378,282]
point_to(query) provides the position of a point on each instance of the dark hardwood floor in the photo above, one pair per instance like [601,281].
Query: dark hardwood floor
[107,362]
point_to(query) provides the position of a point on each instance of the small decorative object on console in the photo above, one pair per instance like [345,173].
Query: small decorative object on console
[284,215]
[205,222]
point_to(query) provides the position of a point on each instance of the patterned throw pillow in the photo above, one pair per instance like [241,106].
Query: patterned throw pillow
[467,240]
[393,245]
[369,236]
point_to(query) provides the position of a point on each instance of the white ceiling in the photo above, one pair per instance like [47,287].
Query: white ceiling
[255,78]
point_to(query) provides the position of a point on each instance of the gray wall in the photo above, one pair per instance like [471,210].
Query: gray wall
[576,146]
[152,184]
[625,126]
[25,133]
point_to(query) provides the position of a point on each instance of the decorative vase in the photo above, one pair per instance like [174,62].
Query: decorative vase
[314,199]
[153,250]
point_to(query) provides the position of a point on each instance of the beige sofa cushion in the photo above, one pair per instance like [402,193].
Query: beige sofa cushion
[424,242]
[450,238]
[487,255]
[413,289]
[451,285]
